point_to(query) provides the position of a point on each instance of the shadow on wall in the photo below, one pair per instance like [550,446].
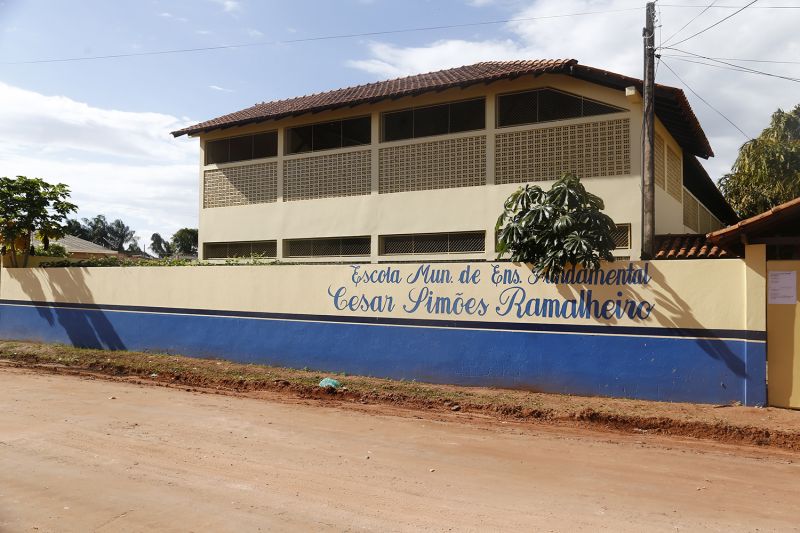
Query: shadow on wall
[86,328]
[670,311]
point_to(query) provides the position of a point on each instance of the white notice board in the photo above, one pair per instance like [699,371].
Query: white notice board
[782,287]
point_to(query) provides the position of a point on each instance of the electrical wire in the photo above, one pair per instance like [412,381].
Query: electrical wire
[741,67]
[720,113]
[776,62]
[713,65]
[717,23]
[685,25]
[319,38]
[717,6]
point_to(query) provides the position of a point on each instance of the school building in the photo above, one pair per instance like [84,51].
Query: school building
[417,168]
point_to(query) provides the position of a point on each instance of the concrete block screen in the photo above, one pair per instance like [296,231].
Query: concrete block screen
[673,331]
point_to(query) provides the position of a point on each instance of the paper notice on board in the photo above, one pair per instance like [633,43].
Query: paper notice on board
[782,287]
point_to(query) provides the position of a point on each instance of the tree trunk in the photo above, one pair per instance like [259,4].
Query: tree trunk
[13,255]
[27,251]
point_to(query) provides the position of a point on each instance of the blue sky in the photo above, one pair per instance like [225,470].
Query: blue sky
[103,126]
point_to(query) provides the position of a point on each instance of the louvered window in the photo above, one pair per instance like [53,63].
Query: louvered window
[622,236]
[226,250]
[327,247]
[434,120]
[242,148]
[329,135]
[544,105]
[434,243]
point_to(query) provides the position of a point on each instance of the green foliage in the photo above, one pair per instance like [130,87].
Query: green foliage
[53,250]
[30,206]
[767,171]
[551,229]
[133,247]
[162,262]
[159,246]
[113,235]
[113,261]
[184,241]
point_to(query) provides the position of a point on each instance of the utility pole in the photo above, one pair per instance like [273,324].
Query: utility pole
[648,136]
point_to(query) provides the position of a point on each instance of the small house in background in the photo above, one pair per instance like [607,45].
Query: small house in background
[78,248]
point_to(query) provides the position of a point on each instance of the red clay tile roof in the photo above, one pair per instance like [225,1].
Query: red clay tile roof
[381,90]
[776,215]
[688,246]
[671,105]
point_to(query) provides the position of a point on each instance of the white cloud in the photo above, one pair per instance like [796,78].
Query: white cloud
[120,163]
[229,5]
[612,41]
[392,61]
[255,34]
[168,15]
[221,89]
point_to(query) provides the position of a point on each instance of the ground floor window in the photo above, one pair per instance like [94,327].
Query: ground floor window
[230,250]
[327,247]
[433,243]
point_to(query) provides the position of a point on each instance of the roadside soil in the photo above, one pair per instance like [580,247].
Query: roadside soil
[766,427]
[89,454]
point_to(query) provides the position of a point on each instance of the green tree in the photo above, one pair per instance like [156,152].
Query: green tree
[118,234]
[96,230]
[184,241]
[114,235]
[551,229]
[159,246]
[133,247]
[74,227]
[767,171]
[30,206]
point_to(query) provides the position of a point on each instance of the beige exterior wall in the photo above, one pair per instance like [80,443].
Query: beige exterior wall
[473,208]
[702,293]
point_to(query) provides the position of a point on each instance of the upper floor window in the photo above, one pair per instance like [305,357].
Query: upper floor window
[434,120]
[544,105]
[242,148]
[329,135]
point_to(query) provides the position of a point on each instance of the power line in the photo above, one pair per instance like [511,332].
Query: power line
[717,23]
[777,62]
[319,38]
[720,113]
[686,59]
[717,6]
[746,69]
[692,20]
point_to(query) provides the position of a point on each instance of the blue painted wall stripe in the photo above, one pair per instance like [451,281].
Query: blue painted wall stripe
[708,370]
[696,333]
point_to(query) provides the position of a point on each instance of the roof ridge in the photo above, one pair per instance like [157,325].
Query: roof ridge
[419,75]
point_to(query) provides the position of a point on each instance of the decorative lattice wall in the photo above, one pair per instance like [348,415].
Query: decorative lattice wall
[691,209]
[433,165]
[590,149]
[327,176]
[240,185]
[674,175]
[659,163]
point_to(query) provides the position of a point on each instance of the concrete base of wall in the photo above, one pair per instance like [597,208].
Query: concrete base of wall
[649,365]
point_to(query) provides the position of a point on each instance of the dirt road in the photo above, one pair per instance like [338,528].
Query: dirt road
[94,455]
